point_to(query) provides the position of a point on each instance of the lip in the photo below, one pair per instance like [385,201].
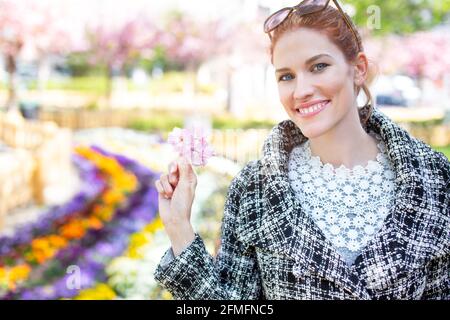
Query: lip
[311,104]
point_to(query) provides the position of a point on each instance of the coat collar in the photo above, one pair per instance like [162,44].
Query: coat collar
[287,229]
[286,135]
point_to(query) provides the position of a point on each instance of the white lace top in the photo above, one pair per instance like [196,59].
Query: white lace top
[348,205]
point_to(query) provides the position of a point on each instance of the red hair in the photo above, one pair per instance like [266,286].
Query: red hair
[331,23]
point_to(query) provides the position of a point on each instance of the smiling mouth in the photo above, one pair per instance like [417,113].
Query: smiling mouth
[315,109]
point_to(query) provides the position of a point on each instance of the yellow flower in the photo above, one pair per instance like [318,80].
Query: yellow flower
[99,292]
[126,181]
[10,278]
[166,295]
[137,241]
[154,226]
[19,272]
[140,239]
[106,214]
[112,197]
[3,275]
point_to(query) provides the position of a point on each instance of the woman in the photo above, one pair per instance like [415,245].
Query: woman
[343,204]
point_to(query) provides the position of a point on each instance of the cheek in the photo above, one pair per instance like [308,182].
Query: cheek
[332,82]
[285,94]
[337,87]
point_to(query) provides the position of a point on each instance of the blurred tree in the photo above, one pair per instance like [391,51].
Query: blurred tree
[428,59]
[189,42]
[14,33]
[78,65]
[245,45]
[114,45]
[29,26]
[157,61]
[52,35]
[399,17]
[419,55]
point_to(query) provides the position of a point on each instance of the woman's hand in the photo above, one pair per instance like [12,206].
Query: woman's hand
[176,195]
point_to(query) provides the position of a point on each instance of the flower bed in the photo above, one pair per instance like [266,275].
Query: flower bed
[130,276]
[89,239]
[110,233]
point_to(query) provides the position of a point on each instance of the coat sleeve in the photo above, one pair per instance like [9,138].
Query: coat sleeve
[438,279]
[438,272]
[233,274]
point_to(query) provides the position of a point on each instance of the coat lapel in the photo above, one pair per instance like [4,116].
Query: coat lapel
[286,229]
[385,257]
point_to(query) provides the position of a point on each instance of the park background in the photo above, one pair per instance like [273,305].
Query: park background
[90,89]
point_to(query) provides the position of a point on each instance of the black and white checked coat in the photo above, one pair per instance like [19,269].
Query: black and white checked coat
[272,249]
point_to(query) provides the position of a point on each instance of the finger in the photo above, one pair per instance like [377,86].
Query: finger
[166,185]
[173,168]
[159,187]
[185,168]
[173,173]
[173,179]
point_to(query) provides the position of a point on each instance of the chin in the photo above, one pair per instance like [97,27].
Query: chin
[312,130]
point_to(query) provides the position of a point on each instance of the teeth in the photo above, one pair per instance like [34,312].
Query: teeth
[313,108]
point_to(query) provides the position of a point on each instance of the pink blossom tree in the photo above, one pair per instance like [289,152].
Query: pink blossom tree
[427,55]
[189,42]
[28,25]
[14,33]
[419,55]
[113,45]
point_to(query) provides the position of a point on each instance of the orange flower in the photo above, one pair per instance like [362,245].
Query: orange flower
[94,223]
[57,241]
[42,248]
[73,230]
[97,210]
[41,256]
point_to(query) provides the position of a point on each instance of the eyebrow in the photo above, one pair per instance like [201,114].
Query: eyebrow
[306,62]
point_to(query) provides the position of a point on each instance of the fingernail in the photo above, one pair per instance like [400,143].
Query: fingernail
[172,169]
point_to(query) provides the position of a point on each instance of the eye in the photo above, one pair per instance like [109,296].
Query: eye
[320,66]
[285,77]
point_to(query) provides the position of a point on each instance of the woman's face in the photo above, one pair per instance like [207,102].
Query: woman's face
[315,82]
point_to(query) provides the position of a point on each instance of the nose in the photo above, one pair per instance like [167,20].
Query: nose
[304,89]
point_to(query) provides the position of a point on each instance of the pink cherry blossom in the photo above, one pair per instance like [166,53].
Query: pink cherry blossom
[191,144]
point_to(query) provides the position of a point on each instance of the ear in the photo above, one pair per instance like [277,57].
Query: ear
[361,68]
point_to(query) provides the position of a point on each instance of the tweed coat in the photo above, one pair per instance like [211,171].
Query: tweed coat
[272,249]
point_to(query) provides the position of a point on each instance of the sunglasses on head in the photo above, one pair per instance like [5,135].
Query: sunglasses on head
[303,8]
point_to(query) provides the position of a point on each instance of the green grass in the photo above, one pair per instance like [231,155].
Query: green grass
[92,84]
[227,122]
[444,150]
[157,123]
[166,122]
[170,82]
